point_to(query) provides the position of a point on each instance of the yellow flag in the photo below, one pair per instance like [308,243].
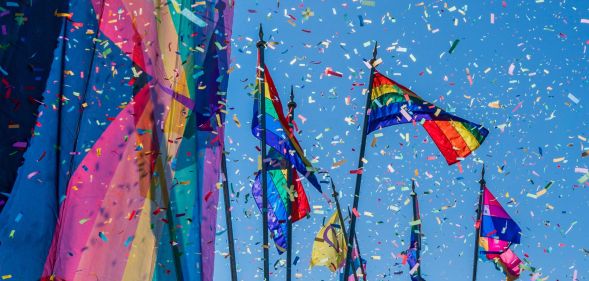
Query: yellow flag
[330,247]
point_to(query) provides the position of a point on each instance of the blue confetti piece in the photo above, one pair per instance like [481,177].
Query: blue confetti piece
[102,236]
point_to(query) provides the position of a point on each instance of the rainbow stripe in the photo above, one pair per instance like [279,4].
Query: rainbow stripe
[138,198]
[278,133]
[394,104]
[278,199]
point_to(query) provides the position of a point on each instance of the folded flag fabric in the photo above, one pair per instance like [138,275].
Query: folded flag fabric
[278,132]
[498,231]
[357,261]
[415,247]
[278,196]
[394,104]
[329,247]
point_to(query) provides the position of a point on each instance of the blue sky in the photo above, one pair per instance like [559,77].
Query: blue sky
[529,67]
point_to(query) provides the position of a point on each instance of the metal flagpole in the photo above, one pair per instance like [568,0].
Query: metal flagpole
[341,220]
[290,183]
[416,216]
[261,45]
[360,162]
[478,226]
[358,249]
[228,220]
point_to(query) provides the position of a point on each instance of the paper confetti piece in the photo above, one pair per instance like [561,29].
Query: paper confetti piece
[454,44]
[193,18]
[415,222]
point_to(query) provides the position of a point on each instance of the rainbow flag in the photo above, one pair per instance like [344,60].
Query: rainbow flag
[415,247]
[278,197]
[131,96]
[393,104]
[498,231]
[279,135]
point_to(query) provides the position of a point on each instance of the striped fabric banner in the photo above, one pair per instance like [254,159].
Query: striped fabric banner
[126,154]
[393,104]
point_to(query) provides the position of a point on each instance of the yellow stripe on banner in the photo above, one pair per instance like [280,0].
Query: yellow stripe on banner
[468,137]
[383,90]
[484,243]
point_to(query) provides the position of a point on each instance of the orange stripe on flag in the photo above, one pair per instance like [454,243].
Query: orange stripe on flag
[454,137]
[441,141]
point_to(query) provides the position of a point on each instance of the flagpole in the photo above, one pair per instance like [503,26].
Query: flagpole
[358,249]
[261,45]
[342,223]
[290,176]
[228,220]
[416,216]
[360,162]
[478,225]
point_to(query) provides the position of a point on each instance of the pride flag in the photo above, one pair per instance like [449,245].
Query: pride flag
[392,104]
[278,132]
[498,231]
[126,99]
[415,247]
[278,197]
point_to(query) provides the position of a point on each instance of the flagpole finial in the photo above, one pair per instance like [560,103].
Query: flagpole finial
[292,103]
[374,51]
[261,33]
[482,181]
[413,186]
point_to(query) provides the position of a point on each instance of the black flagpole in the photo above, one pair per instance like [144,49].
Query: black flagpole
[341,220]
[290,176]
[228,220]
[416,216]
[261,45]
[478,223]
[358,249]
[360,162]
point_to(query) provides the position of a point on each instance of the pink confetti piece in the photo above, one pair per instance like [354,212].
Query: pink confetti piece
[511,69]
[32,174]
[518,106]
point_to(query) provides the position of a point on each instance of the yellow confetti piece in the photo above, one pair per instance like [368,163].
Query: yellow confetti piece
[415,222]
[559,159]
[63,15]
[236,120]
[494,104]
[7,276]
[338,163]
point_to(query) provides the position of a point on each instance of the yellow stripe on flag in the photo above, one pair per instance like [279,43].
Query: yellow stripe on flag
[468,137]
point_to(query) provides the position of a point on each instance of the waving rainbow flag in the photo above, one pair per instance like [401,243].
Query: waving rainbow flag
[498,232]
[278,133]
[393,104]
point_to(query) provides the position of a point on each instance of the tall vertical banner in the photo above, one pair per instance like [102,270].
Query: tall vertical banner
[134,103]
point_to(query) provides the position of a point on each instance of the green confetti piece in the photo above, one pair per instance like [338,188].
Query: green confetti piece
[454,44]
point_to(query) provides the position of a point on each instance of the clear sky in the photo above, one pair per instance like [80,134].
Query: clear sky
[529,68]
